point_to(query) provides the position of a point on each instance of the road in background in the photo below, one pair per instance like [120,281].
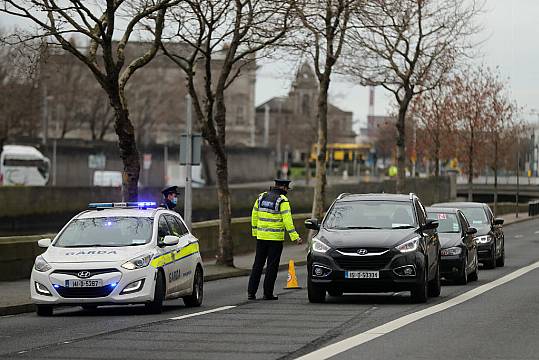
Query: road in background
[498,323]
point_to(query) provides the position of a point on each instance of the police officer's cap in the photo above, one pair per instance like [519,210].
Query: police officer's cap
[282,182]
[169,190]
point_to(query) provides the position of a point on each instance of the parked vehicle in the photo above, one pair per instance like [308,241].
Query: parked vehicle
[490,238]
[374,243]
[23,165]
[459,261]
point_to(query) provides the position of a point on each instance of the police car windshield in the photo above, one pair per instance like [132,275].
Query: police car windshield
[370,214]
[106,232]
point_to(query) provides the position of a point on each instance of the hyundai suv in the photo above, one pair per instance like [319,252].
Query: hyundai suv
[374,243]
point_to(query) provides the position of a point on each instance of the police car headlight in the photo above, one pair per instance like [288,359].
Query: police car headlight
[138,262]
[410,245]
[41,265]
[319,246]
[483,239]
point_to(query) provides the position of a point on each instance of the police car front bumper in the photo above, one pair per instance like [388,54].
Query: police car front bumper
[118,285]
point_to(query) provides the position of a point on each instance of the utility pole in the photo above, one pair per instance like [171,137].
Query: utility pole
[189,160]
[518,182]
[45,115]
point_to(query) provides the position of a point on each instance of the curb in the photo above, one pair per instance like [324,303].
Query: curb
[29,307]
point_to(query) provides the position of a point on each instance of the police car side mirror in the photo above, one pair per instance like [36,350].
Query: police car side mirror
[44,243]
[312,224]
[170,240]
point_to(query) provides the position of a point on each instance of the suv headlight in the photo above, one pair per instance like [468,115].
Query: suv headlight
[41,265]
[319,246]
[138,262]
[410,245]
[451,251]
[483,239]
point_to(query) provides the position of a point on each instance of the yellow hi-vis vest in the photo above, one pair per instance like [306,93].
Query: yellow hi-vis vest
[271,218]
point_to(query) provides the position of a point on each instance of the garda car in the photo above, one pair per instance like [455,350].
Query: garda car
[490,238]
[119,253]
[459,261]
[374,243]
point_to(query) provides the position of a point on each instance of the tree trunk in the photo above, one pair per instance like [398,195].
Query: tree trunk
[495,177]
[470,165]
[225,251]
[128,148]
[322,141]
[401,142]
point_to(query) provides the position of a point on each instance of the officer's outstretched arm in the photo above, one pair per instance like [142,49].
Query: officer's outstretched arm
[286,212]
[254,218]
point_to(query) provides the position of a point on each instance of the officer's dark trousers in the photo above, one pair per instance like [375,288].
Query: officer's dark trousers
[270,251]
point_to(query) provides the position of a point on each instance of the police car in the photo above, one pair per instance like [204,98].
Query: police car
[119,253]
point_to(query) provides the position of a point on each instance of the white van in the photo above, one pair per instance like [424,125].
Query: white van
[23,165]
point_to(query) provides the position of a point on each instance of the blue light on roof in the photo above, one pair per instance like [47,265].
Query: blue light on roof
[134,204]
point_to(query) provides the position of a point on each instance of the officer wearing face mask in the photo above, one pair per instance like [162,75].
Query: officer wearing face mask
[170,197]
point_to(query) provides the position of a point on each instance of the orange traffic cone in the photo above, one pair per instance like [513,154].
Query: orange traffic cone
[292,280]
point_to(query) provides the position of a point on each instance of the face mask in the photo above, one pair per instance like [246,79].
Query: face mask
[174,201]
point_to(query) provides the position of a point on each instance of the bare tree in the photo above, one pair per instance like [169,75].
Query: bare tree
[408,47]
[98,24]
[217,39]
[323,35]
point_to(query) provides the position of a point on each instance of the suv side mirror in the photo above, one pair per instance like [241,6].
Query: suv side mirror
[312,224]
[498,221]
[44,243]
[170,240]
[430,224]
[471,231]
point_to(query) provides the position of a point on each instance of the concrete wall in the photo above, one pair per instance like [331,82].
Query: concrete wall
[31,210]
[17,254]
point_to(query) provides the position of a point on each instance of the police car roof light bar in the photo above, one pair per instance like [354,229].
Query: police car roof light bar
[132,204]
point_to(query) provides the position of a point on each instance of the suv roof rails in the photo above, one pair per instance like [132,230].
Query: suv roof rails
[342,195]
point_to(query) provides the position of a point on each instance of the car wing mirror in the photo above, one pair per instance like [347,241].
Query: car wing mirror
[471,231]
[498,221]
[312,224]
[430,224]
[44,243]
[170,240]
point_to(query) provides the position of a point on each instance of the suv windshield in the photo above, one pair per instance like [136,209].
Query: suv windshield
[447,223]
[475,216]
[106,231]
[369,214]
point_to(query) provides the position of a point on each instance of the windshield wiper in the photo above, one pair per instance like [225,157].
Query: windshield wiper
[91,245]
[403,227]
[362,227]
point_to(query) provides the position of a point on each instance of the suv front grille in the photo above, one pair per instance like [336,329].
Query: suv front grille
[375,262]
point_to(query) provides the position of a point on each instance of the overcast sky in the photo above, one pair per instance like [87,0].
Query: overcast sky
[511,43]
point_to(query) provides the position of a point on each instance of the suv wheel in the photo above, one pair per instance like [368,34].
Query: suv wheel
[195,299]
[435,285]
[44,310]
[419,293]
[491,263]
[156,306]
[501,260]
[317,294]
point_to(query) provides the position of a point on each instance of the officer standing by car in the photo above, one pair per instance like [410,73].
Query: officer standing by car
[170,197]
[271,218]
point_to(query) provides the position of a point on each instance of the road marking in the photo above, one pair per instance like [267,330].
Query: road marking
[537,232]
[203,312]
[352,342]
[519,236]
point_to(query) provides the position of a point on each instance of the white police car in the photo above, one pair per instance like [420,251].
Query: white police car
[119,253]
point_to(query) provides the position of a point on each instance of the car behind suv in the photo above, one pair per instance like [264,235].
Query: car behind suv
[374,243]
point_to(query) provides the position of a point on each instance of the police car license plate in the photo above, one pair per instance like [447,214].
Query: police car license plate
[83,283]
[362,275]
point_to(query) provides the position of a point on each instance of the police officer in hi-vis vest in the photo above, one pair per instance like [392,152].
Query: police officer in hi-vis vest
[270,220]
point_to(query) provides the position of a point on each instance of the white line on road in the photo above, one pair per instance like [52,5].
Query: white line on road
[203,312]
[519,236]
[351,342]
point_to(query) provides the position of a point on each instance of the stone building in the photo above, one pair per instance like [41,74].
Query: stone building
[288,124]
[79,109]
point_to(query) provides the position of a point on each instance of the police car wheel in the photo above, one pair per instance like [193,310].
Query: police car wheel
[156,306]
[195,299]
[44,310]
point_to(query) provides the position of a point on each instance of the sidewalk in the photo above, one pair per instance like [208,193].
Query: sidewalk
[15,295]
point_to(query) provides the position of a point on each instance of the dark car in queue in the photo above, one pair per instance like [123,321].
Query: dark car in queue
[459,261]
[490,238]
[374,243]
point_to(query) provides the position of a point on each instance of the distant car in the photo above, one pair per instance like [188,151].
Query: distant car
[459,261]
[23,166]
[490,238]
[374,243]
[126,253]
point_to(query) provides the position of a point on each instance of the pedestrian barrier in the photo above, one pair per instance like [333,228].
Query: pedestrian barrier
[292,280]
[533,208]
